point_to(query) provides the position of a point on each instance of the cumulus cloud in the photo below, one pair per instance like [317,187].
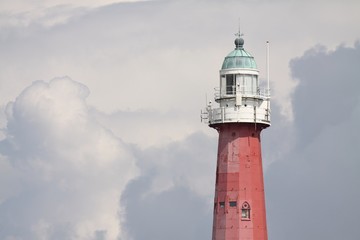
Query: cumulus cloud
[62,172]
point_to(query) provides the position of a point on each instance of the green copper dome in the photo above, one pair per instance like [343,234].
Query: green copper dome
[239,58]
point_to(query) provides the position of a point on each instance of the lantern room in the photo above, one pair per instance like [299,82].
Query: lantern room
[239,95]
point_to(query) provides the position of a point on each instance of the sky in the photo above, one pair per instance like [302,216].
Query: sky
[100,104]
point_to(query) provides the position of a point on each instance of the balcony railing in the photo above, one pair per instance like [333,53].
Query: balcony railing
[226,115]
[231,92]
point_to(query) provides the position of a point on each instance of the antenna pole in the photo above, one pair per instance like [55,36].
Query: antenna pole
[268,67]
[239,34]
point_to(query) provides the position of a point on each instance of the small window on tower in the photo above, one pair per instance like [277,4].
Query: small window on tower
[245,214]
[245,211]
[232,204]
[222,204]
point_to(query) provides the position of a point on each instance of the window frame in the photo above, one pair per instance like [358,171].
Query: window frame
[245,212]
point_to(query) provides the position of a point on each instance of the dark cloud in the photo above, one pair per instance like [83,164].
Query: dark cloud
[175,214]
[312,191]
[181,210]
[328,90]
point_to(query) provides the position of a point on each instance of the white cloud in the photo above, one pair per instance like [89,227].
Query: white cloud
[27,5]
[161,58]
[45,12]
[67,171]
[146,128]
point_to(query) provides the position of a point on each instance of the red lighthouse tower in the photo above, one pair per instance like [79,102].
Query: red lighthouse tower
[241,113]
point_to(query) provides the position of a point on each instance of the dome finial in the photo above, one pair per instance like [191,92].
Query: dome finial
[239,41]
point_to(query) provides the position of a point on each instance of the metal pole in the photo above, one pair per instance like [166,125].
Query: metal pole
[268,67]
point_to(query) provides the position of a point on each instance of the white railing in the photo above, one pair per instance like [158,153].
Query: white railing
[227,115]
[261,94]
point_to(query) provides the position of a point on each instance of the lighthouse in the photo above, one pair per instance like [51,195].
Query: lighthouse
[240,112]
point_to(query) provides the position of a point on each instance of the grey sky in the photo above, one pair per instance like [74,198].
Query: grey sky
[117,150]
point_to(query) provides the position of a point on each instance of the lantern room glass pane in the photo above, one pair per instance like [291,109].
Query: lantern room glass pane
[223,85]
[248,83]
[240,82]
[230,84]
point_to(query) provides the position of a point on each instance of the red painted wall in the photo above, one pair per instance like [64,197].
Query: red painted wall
[239,178]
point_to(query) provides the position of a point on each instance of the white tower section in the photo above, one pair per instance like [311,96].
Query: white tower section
[239,97]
